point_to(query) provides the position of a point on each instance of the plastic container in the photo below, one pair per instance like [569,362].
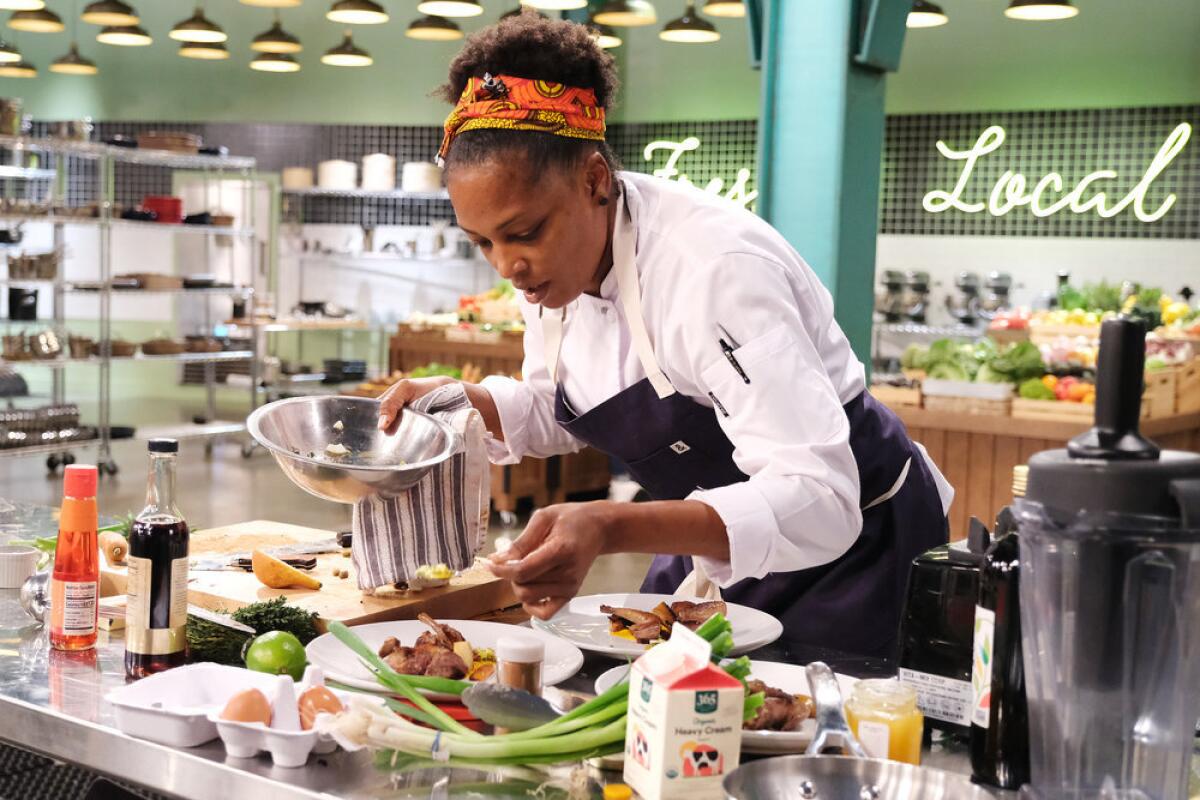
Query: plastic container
[180,707]
[519,663]
[17,562]
[75,580]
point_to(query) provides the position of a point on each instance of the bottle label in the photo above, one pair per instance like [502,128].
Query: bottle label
[983,653]
[137,591]
[939,697]
[179,592]
[140,636]
[874,737]
[77,599]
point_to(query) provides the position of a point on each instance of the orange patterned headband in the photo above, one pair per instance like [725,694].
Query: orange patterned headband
[522,104]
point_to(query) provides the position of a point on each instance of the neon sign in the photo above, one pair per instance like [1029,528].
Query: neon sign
[1010,190]
[737,191]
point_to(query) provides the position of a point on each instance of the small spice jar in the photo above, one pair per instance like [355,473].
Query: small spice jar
[883,714]
[519,663]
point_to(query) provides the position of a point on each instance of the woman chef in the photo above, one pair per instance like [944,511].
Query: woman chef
[683,336]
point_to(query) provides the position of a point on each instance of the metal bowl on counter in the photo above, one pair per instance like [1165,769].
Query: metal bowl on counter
[847,778]
[306,435]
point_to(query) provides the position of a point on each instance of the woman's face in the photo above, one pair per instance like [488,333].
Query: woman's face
[547,234]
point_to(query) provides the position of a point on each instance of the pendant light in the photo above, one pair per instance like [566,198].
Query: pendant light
[273,3]
[626,13]
[18,69]
[204,51]
[22,5]
[43,21]
[357,12]
[9,54]
[275,62]
[347,54]
[433,29]
[689,29]
[925,14]
[74,64]
[725,8]
[604,36]
[555,5]
[198,28]
[1040,10]
[124,36]
[276,40]
[450,8]
[110,12]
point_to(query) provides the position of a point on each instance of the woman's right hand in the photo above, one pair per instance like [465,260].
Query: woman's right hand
[401,394]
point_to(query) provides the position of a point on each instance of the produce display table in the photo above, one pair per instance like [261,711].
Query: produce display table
[977,452]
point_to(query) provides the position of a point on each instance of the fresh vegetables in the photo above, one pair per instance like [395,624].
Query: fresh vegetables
[1035,389]
[115,548]
[277,574]
[208,641]
[435,369]
[980,362]
[1102,296]
[594,728]
[277,653]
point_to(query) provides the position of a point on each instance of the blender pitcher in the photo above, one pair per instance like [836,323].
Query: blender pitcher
[1110,600]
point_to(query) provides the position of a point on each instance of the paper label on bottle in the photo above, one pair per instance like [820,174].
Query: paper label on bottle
[137,591]
[939,697]
[874,736]
[982,655]
[78,601]
[179,589]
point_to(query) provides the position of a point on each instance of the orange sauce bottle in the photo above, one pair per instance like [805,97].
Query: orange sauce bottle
[75,581]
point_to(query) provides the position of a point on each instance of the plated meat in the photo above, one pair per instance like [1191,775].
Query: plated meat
[649,626]
[780,711]
[432,654]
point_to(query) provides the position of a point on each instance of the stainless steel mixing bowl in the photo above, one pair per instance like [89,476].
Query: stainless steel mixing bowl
[297,431]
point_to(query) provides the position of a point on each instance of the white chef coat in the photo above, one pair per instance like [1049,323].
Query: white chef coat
[703,262]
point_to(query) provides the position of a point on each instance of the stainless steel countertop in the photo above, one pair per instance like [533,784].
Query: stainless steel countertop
[53,703]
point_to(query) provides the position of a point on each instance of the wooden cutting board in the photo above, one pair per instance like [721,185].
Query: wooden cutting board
[476,591]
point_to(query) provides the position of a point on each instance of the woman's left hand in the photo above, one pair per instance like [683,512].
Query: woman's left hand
[550,559]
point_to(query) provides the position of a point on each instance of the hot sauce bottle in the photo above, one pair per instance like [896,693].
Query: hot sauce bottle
[156,609]
[75,581]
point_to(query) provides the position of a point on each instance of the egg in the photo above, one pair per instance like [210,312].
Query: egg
[248,706]
[315,700]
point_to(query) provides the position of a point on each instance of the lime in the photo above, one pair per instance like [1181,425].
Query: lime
[277,652]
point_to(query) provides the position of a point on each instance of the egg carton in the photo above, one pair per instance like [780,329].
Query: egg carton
[181,707]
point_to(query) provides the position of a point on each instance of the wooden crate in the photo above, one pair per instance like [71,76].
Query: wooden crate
[897,396]
[513,482]
[1052,410]
[585,471]
[1158,399]
[1187,388]
[503,358]
[968,405]
[1046,333]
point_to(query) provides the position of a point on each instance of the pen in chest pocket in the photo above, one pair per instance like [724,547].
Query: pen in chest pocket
[728,345]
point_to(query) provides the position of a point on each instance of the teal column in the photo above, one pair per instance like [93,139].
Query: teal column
[821,139]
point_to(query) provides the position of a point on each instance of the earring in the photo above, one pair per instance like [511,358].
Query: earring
[603,201]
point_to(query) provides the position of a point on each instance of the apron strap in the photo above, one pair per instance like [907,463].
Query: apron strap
[630,297]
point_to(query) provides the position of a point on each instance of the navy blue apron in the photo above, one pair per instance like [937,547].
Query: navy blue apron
[852,604]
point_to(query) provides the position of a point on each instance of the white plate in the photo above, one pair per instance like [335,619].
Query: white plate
[791,678]
[582,623]
[341,664]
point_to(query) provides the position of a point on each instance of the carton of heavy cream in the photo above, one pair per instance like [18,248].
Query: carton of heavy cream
[685,721]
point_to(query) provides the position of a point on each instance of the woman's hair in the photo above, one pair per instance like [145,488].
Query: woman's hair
[529,45]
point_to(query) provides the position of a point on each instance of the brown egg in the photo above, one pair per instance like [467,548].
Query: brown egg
[315,700]
[248,706]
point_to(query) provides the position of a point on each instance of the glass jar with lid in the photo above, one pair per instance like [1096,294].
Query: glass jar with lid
[884,716]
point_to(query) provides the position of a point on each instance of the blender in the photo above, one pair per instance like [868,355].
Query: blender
[1110,600]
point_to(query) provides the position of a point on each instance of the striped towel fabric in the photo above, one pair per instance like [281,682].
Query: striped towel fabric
[441,520]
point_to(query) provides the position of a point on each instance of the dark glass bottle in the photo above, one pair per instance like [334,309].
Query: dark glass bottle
[999,715]
[156,614]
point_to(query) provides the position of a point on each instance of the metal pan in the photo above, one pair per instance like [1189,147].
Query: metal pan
[845,778]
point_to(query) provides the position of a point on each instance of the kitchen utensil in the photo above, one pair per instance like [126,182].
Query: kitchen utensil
[791,678]
[166,209]
[17,563]
[1110,598]
[35,595]
[45,344]
[214,150]
[965,307]
[844,778]
[291,554]
[297,431]
[203,218]
[833,731]
[162,347]
[339,663]
[80,346]
[378,172]
[582,623]
[995,299]
[12,384]
[915,300]
[311,307]
[152,281]
[203,344]
[139,215]
[337,175]
[22,304]
[12,235]
[117,348]
[937,628]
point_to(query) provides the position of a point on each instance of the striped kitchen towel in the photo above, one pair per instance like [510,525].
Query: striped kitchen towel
[441,520]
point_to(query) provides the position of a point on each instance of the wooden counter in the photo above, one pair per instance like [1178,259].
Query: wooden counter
[977,453]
